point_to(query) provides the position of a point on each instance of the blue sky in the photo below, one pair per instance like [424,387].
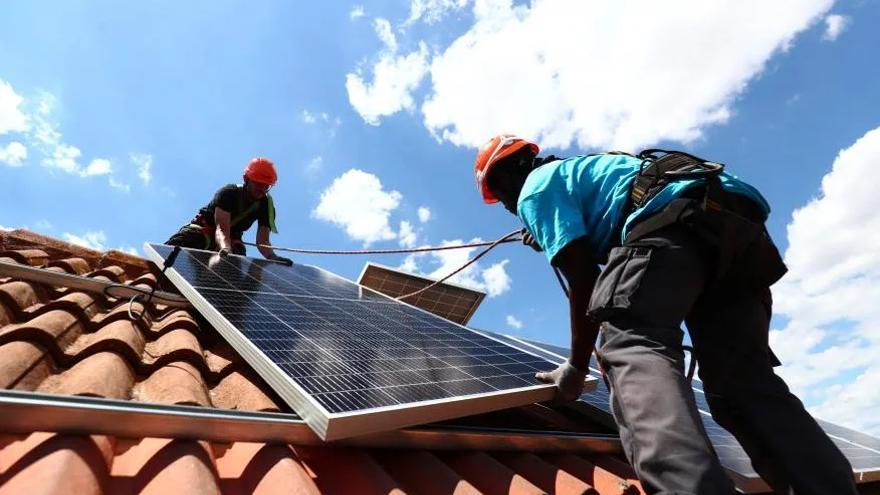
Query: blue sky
[118,121]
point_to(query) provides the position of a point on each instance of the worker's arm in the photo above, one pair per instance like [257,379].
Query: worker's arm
[222,219]
[267,252]
[581,274]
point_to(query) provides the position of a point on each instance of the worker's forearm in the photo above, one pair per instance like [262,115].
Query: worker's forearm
[222,239]
[583,331]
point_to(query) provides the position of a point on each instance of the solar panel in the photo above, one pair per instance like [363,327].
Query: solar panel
[447,300]
[862,451]
[347,359]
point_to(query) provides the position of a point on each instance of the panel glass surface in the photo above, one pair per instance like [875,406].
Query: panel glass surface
[862,451]
[349,347]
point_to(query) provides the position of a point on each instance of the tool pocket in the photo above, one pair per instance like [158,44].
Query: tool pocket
[617,287]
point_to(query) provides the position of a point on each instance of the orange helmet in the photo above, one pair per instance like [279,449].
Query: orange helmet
[261,170]
[492,152]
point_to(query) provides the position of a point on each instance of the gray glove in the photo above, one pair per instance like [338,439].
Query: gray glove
[569,380]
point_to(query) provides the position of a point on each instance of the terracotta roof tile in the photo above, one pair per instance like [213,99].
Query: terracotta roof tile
[264,469]
[176,383]
[58,328]
[601,479]
[77,266]
[23,365]
[489,475]
[239,391]
[105,374]
[50,464]
[33,257]
[341,471]
[423,472]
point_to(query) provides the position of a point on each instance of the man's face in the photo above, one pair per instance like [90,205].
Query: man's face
[257,190]
[506,187]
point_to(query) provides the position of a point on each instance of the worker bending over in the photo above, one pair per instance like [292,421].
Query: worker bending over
[220,224]
[679,241]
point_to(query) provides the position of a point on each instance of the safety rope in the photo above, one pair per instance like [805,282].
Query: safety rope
[386,251]
[489,245]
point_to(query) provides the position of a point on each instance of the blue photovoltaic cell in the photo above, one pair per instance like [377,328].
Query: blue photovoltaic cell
[347,347]
[862,451]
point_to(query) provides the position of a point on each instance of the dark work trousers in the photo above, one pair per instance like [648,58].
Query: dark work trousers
[192,236]
[651,286]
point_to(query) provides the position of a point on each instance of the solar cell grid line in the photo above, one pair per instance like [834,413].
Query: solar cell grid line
[334,351]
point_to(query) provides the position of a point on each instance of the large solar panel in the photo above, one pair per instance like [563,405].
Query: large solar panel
[862,451]
[447,300]
[347,359]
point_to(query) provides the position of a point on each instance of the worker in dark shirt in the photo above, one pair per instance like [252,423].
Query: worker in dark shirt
[220,224]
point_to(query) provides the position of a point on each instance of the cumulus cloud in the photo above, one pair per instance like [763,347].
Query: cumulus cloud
[13,154]
[98,166]
[12,118]
[494,280]
[834,25]
[395,77]
[357,202]
[513,322]
[92,239]
[356,12]
[43,225]
[432,11]
[407,236]
[144,164]
[594,81]
[830,294]
[424,214]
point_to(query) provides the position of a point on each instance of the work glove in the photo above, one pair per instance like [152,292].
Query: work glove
[281,259]
[530,241]
[569,380]
[223,252]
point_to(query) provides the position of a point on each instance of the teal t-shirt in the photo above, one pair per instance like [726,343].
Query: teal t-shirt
[586,196]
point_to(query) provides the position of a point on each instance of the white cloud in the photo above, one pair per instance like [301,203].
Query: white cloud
[432,11]
[356,12]
[496,279]
[513,322]
[119,186]
[834,25]
[424,214]
[395,77]
[605,78]
[129,250]
[385,34]
[96,240]
[407,235]
[3,227]
[314,165]
[144,164]
[13,154]
[831,291]
[308,117]
[357,202]
[12,119]
[493,280]
[98,166]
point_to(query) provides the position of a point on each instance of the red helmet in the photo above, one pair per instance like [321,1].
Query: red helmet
[492,152]
[261,170]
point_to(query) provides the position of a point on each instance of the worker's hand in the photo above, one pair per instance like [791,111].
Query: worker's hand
[530,241]
[281,259]
[223,252]
[569,380]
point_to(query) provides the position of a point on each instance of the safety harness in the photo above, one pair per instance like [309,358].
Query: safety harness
[658,169]
[207,228]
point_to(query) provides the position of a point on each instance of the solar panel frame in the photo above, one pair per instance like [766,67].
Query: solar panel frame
[334,425]
[428,300]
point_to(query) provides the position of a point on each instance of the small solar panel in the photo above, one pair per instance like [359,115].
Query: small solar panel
[862,451]
[347,359]
[446,300]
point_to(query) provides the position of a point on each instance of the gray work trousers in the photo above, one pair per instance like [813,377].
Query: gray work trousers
[650,287]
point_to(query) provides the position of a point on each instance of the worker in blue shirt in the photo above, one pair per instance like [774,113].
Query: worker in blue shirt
[680,241]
